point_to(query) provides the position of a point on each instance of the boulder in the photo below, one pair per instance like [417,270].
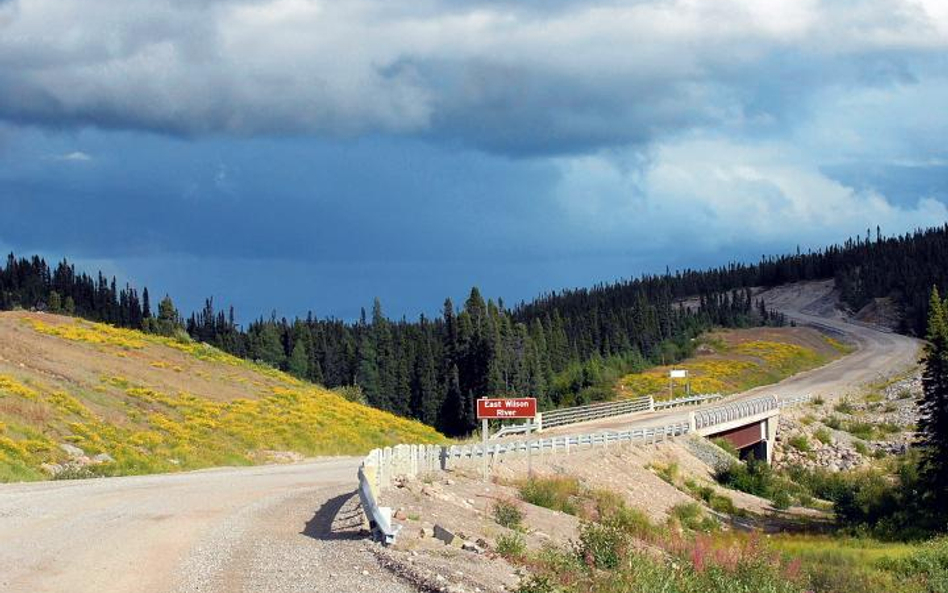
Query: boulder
[72,450]
[446,536]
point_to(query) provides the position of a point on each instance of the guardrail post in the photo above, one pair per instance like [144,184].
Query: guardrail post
[539,421]
[692,422]
[651,404]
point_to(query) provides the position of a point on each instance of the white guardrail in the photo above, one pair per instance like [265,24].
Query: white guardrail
[381,467]
[596,411]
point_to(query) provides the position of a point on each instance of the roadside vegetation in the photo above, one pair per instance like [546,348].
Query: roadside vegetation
[137,428]
[727,362]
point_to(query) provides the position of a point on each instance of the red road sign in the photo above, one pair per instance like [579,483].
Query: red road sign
[515,407]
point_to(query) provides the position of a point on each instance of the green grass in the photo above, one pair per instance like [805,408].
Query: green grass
[800,442]
[845,407]
[855,565]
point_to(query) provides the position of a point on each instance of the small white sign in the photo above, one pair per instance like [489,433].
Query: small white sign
[678,373]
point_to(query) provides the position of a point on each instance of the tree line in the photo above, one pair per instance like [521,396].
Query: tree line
[564,347]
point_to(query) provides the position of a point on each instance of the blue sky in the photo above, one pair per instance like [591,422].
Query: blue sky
[310,155]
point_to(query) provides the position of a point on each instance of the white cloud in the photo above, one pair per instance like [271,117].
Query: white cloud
[716,193]
[75,156]
[574,73]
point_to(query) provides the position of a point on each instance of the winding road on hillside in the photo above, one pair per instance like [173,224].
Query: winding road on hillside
[879,354]
[295,527]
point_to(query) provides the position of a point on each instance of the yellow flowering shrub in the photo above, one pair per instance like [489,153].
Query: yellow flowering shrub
[10,386]
[733,368]
[150,428]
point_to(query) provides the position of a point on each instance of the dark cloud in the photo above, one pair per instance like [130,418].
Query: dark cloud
[514,78]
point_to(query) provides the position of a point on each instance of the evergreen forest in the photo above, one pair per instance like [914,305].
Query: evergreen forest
[564,347]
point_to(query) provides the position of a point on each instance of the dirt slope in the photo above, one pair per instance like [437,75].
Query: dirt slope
[80,399]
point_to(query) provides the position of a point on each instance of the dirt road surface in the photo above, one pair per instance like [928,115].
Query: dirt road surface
[261,529]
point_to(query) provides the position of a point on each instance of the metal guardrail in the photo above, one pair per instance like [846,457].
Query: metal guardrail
[686,401]
[511,429]
[795,400]
[735,411]
[380,518]
[596,411]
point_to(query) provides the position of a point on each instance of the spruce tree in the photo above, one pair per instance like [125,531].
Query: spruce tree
[933,412]
[298,365]
[55,302]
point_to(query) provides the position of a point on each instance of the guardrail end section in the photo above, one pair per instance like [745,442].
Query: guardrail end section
[380,518]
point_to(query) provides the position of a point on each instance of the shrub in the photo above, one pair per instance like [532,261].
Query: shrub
[817,401]
[845,407]
[799,442]
[669,472]
[861,447]
[754,477]
[833,422]
[928,566]
[823,435]
[512,545]
[862,430]
[691,516]
[554,493]
[601,545]
[508,514]
[538,584]
[727,446]
[758,478]
[781,500]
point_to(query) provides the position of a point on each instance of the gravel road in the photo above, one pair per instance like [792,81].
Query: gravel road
[262,529]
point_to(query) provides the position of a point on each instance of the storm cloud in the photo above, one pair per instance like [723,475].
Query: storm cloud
[342,150]
[533,78]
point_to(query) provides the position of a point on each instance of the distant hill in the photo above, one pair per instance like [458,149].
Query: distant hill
[80,399]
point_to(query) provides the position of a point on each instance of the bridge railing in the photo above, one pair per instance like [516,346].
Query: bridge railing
[734,411]
[687,401]
[597,411]
[794,400]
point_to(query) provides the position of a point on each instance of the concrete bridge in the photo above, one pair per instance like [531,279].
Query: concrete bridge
[750,426]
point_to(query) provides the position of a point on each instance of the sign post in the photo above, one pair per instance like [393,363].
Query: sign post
[505,409]
[677,374]
[484,429]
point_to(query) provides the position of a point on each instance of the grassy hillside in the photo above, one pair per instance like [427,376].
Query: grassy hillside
[731,361]
[154,404]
